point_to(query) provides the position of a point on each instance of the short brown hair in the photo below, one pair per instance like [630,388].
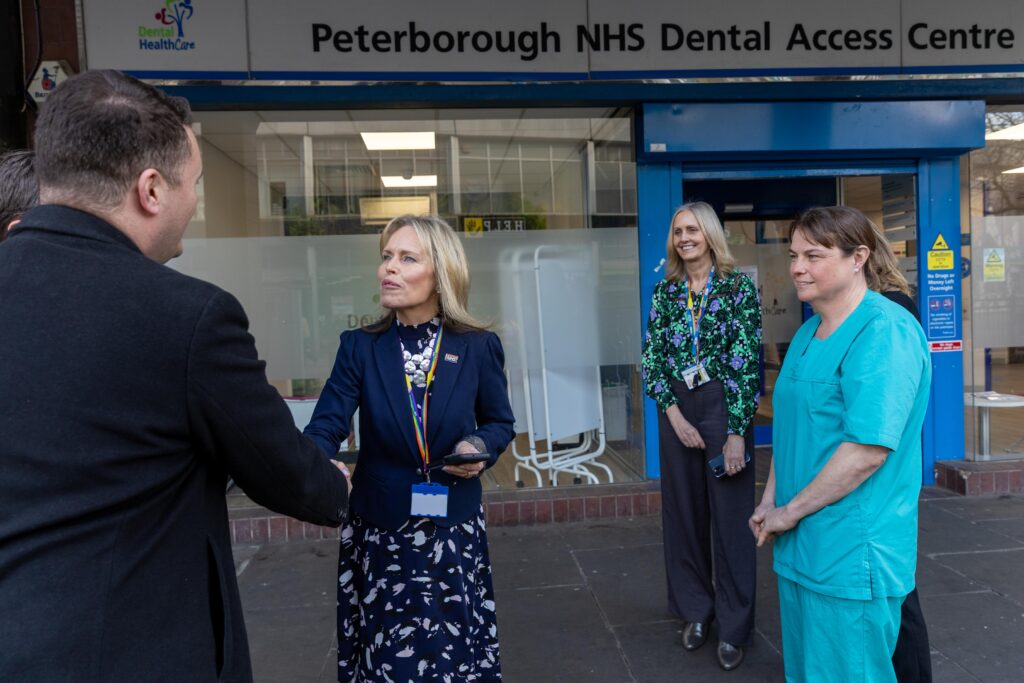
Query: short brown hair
[846,228]
[18,189]
[99,130]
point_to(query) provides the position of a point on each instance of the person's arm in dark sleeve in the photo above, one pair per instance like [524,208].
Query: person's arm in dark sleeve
[494,416]
[332,417]
[238,419]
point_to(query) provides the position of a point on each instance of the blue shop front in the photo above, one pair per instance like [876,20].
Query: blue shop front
[558,140]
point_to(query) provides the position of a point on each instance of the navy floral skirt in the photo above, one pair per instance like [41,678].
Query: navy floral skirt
[416,604]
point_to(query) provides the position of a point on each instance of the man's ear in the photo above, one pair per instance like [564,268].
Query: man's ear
[148,189]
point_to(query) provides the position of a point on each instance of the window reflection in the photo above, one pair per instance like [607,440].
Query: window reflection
[302,196]
[994,285]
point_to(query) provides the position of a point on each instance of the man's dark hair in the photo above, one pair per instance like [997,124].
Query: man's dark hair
[99,130]
[18,189]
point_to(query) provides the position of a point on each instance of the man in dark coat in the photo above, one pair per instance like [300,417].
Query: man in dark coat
[128,394]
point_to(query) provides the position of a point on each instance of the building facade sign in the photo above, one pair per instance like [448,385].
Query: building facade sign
[173,38]
[541,40]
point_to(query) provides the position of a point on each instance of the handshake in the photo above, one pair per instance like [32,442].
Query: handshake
[344,470]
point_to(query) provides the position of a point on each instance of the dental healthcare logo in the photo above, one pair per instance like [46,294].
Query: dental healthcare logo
[170,35]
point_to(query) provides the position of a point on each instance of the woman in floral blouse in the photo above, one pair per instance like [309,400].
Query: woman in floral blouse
[700,364]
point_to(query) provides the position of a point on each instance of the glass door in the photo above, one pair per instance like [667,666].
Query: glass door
[756,214]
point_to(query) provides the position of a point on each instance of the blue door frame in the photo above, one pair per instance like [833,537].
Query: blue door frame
[800,139]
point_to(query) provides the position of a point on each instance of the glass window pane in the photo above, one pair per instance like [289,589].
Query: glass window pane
[302,198]
[994,286]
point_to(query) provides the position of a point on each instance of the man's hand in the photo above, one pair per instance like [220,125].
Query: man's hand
[469,470]
[344,470]
[685,432]
[777,521]
[760,512]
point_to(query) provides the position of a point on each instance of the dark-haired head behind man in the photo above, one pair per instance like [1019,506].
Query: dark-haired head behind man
[19,191]
[130,393]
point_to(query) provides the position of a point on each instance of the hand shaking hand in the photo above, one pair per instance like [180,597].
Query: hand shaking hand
[344,470]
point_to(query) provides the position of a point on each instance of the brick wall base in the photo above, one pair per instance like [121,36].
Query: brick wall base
[253,524]
[980,478]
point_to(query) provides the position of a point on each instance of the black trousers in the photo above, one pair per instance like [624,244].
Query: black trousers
[912,659]
[710,554]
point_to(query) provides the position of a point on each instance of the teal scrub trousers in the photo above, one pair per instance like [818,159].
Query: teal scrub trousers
[826,639]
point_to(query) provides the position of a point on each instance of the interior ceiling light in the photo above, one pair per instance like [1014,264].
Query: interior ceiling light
[412,181]
[1019,169]
[1011,133]
[384,141]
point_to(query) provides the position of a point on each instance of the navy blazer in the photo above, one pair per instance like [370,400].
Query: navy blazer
[469,397]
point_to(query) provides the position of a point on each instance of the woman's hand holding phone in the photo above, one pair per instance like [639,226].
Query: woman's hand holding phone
[466,470]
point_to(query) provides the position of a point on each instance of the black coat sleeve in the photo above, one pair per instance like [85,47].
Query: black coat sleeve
[238,419]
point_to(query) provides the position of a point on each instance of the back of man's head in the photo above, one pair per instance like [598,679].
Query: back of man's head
[18,189]
[98,131]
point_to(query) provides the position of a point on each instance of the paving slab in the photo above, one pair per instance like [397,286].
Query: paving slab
[936,578]
[983,633]
[586,602]
[531,557]
[300,574]
[999,572]
[975,509]
[608,570]
[942,531]
[557,634]
[945,670]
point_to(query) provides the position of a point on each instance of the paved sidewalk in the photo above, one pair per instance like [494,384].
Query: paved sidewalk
[586,602]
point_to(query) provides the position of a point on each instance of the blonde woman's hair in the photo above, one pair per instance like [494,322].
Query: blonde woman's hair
[883,271]
[713,232]
[451,270]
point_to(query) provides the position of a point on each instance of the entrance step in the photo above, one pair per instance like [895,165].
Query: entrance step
[970,478]
[251,523]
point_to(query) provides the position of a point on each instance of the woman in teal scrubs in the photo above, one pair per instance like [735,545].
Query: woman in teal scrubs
[841,497]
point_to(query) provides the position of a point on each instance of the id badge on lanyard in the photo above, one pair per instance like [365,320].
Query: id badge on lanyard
[696,375]
[428,499]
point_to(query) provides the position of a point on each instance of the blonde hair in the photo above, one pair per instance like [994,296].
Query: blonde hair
[451,270]
[714,234]
[883,270]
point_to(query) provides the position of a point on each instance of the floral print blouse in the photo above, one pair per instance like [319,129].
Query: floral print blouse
[730,344]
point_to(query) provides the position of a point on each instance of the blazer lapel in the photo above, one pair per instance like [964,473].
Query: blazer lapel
[452,356]
[387,353]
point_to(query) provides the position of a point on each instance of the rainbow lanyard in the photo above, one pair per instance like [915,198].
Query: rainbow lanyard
[419,421]
[694,320]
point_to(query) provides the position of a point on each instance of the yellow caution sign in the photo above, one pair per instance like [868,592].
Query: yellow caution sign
[940,256]
[995,265]
[473,225]
[940,260]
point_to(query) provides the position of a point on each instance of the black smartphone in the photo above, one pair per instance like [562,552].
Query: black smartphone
[464,458]
[717,464]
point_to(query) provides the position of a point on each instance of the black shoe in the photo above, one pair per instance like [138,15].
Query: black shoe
[729,656]
[694,634]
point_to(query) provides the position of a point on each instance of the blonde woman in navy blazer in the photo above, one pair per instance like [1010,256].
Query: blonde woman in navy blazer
[415,596]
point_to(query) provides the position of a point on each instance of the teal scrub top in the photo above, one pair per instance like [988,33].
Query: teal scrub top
[867,383]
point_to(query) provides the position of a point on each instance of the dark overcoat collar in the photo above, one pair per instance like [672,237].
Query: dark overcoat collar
[54,218]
